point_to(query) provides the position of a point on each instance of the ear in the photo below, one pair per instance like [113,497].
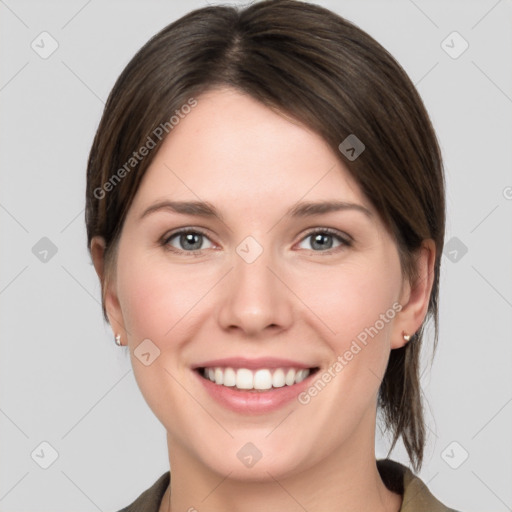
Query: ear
[108,287]
[415,296]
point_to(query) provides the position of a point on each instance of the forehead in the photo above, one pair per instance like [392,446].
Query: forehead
[231,148]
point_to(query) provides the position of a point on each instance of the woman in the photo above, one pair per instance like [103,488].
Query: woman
[265,212]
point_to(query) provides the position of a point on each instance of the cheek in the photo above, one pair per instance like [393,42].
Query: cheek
[353,309]
[159,302]
[350,298]
[155,296]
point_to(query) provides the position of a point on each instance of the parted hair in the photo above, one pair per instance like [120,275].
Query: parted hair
[312,65]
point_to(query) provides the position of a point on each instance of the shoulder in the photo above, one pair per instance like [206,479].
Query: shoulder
[416,496]
[149,500]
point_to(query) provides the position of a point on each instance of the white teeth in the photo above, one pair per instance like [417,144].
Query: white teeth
[244,378]
[219,376]
[289,380]
[301,375]
[229,377]
[278,378]
[261,379]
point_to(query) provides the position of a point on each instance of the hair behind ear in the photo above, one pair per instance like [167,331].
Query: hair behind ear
[401,402]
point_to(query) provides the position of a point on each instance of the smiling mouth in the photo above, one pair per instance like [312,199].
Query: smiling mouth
[264,379]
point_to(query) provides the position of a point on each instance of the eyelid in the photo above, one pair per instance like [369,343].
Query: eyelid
[186,229]
[344,237]
[165,239]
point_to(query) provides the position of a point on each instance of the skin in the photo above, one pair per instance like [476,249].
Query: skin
[296,300]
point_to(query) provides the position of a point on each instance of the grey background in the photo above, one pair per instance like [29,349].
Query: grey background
[62,379]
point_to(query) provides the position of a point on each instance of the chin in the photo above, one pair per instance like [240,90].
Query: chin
[248,463]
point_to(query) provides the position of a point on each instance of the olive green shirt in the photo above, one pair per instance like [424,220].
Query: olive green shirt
[398,478]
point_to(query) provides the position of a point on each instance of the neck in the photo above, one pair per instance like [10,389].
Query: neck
[348,479]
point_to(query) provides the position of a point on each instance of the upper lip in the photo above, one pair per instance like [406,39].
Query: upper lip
[262,362]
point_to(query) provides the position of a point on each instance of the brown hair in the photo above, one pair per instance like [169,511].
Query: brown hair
[308,63]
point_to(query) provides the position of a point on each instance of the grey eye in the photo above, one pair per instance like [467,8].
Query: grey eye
[322,241]
[189,241]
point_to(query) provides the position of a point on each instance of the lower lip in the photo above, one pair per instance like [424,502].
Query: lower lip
[254,402]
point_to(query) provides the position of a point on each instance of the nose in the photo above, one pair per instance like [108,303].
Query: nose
[255,300]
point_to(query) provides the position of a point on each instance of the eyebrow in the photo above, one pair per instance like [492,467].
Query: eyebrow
[318,208]
[207,210]
[198,208]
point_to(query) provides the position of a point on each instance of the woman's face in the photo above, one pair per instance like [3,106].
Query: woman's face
[293,270]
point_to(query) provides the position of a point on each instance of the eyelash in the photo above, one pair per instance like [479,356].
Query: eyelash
[345,240]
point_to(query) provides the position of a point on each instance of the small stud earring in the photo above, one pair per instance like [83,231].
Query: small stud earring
[407,337]
[118,340]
